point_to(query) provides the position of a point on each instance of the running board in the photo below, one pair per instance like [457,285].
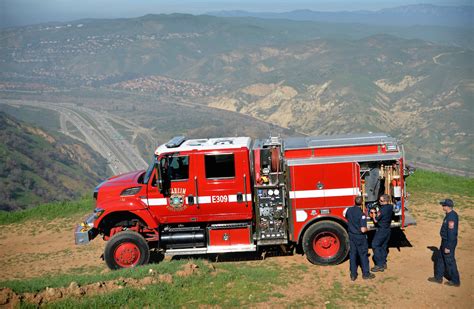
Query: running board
[212,249]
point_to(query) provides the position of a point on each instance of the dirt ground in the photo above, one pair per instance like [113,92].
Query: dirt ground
[30,250]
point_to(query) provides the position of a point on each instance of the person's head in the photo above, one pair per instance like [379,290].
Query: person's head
[358,200]
[384,199]
[447,205]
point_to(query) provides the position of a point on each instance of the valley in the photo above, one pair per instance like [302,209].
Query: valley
[148,75]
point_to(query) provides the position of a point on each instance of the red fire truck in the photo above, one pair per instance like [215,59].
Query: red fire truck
[221,195]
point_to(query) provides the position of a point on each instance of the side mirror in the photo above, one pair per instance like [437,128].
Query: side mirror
[163,178]
[159,181]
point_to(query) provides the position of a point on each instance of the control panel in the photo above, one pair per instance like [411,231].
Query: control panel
[271,215]
[270,192]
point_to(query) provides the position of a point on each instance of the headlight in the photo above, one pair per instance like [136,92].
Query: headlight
[98,212]
[130,191]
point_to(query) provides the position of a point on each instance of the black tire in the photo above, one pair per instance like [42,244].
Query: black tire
[125,250]
[322,234]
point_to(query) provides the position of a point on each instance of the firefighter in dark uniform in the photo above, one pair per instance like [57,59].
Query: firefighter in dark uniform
[357,226]
[446,261]
[382,221]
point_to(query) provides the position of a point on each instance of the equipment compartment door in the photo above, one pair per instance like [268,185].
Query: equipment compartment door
[304,191]
[341,184]
[324,185]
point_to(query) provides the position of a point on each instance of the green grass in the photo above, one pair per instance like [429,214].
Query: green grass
[426,181]
[231,285]
[48,212]
[63,280]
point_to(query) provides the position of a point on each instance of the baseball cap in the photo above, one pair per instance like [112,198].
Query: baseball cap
[447,202]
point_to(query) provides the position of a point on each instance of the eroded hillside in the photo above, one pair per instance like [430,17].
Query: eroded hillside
[38,166]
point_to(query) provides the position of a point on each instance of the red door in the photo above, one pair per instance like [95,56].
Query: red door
[175,207]
[223,185]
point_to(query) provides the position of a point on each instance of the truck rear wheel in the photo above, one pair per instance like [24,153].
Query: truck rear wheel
[326,243]
[126,249]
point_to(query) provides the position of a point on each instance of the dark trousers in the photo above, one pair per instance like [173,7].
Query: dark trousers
[445,266]
[380,246]
[358,254]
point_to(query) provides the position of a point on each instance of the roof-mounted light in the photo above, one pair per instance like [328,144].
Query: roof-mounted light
[175,142]
[391,147]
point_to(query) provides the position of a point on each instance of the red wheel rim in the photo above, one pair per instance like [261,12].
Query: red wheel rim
[127,254]
[326,244]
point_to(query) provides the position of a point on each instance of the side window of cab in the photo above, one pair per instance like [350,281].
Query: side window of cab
[178,168]
[220,166]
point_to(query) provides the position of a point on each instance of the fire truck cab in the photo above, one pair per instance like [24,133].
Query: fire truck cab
[233,194]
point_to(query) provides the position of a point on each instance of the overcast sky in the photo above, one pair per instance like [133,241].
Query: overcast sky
[22,12]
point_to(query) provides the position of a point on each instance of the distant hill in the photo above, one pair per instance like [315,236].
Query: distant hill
[38,166]
[408,15]
[309,77]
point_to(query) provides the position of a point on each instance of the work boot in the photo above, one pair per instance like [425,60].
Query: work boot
[369,276]
[435,280]
[377,268]
[353,278]
[450,283]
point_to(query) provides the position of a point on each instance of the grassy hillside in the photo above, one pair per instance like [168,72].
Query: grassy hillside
[426,181]
[38,166]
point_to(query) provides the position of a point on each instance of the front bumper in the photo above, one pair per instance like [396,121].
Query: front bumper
[85,232]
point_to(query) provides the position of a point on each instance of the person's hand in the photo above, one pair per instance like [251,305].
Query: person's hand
[446,251]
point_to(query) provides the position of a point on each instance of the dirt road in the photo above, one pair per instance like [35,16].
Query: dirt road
[38,249]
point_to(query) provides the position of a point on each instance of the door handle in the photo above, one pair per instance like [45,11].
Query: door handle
[190,200]
[245,190]
[320,185]
[240,197]
[196,189]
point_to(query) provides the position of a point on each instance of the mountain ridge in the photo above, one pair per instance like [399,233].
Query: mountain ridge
[407,15]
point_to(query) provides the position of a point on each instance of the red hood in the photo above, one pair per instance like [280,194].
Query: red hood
[130,177]
[109,190]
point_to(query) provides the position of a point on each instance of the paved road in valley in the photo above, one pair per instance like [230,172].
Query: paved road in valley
[97,131]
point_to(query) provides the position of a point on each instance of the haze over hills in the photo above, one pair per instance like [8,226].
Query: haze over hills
[308,77]
[407,15]
[38,166]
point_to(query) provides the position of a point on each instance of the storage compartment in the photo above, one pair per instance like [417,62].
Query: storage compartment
[225,235]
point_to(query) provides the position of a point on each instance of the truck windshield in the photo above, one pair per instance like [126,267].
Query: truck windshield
[149,171]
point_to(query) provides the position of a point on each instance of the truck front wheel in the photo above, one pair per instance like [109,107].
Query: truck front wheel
[126,249]
[326,243]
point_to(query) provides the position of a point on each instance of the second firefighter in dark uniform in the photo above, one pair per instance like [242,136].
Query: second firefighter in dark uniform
[357,227]
[382,221]
[445,264]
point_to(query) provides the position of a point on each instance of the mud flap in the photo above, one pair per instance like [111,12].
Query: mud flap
[409,219]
